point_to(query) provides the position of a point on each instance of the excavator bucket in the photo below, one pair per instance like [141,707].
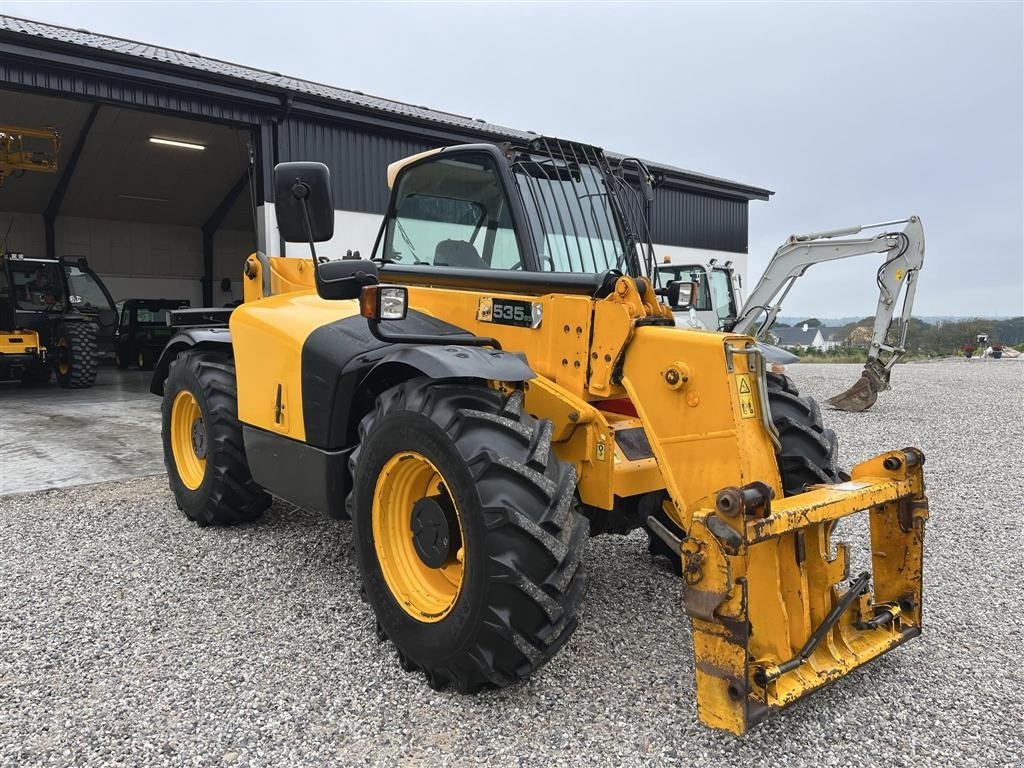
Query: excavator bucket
[862,394]
[859,397]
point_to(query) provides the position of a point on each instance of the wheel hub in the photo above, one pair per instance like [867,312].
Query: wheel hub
[199,438]
[432,531]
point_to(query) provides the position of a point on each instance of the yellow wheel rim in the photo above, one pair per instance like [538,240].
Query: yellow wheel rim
[188,439]
[65,366]
[409,496]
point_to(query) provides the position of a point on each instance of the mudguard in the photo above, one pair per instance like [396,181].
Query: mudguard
[185,338]
[344,367]
[456,361]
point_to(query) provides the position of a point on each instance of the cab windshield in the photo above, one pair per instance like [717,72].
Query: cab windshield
[36,285]
[571,213]
[148,316]
[84,292]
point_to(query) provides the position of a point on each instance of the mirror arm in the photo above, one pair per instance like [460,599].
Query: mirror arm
[309,226]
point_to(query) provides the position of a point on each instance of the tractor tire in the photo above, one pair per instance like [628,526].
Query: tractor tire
[37,375]
[499,596]
[79,369]
[809,450]
[202,437]
[808,455]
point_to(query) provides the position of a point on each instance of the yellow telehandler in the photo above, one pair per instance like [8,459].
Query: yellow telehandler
[501,381]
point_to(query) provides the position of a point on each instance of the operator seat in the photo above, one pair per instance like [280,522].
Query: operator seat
[458,253]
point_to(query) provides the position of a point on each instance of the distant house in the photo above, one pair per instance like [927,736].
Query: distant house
[832,337]
[800,337]
[821,338]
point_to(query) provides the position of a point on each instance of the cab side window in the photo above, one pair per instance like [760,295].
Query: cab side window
[452,212]
[691,273]
[725,307]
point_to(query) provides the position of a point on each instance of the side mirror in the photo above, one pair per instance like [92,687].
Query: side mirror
[304,202]
[646,185]
[682,295]
[344,279]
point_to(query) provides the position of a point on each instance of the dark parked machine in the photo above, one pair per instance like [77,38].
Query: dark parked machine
[143,331]
[50,315]
[90,297]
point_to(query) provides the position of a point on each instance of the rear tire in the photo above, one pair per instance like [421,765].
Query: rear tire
[78,370]
[203,448]
[808,455]
[521,581]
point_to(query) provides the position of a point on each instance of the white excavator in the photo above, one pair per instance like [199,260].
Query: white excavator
[716,301]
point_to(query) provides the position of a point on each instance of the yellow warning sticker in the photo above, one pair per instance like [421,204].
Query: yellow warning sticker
[746,396]
[899,275]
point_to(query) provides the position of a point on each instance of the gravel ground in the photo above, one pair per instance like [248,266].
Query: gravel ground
[130,637]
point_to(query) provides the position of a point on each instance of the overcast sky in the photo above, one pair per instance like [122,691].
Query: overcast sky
[851,113]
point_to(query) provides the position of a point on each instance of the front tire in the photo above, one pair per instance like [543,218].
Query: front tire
[203,448]
[79,355]
[809,450]
[498,597]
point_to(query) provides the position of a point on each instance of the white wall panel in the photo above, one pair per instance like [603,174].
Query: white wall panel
[132,248]
[231,247]
[26,234]
[352,231]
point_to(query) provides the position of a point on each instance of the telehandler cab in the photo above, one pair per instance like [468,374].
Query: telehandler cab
[500,382]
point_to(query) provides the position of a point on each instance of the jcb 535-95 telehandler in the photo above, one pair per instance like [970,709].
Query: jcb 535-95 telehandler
[500,382]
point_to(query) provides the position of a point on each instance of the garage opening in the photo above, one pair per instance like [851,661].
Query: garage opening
[159,207]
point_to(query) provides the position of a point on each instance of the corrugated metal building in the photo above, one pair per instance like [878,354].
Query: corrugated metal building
[163,220]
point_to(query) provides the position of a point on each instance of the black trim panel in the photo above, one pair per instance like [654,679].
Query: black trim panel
[338,359]
[187,337]
[499,280]
[633,443]
[300,474]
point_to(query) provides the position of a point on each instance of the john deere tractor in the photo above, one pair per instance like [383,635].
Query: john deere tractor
[499,383]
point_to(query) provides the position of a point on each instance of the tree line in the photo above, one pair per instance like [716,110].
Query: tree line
[944,338]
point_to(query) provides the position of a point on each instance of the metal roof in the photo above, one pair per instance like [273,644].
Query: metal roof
[106,46]
[796,335]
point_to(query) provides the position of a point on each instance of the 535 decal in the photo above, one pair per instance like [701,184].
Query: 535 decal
[525,314]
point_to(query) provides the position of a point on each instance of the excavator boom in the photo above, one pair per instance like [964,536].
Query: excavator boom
[904,256]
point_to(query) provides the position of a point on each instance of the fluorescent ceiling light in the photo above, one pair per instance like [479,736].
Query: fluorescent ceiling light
[146,198]
[176,143]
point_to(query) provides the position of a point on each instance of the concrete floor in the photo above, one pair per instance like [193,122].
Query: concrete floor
[52,437]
